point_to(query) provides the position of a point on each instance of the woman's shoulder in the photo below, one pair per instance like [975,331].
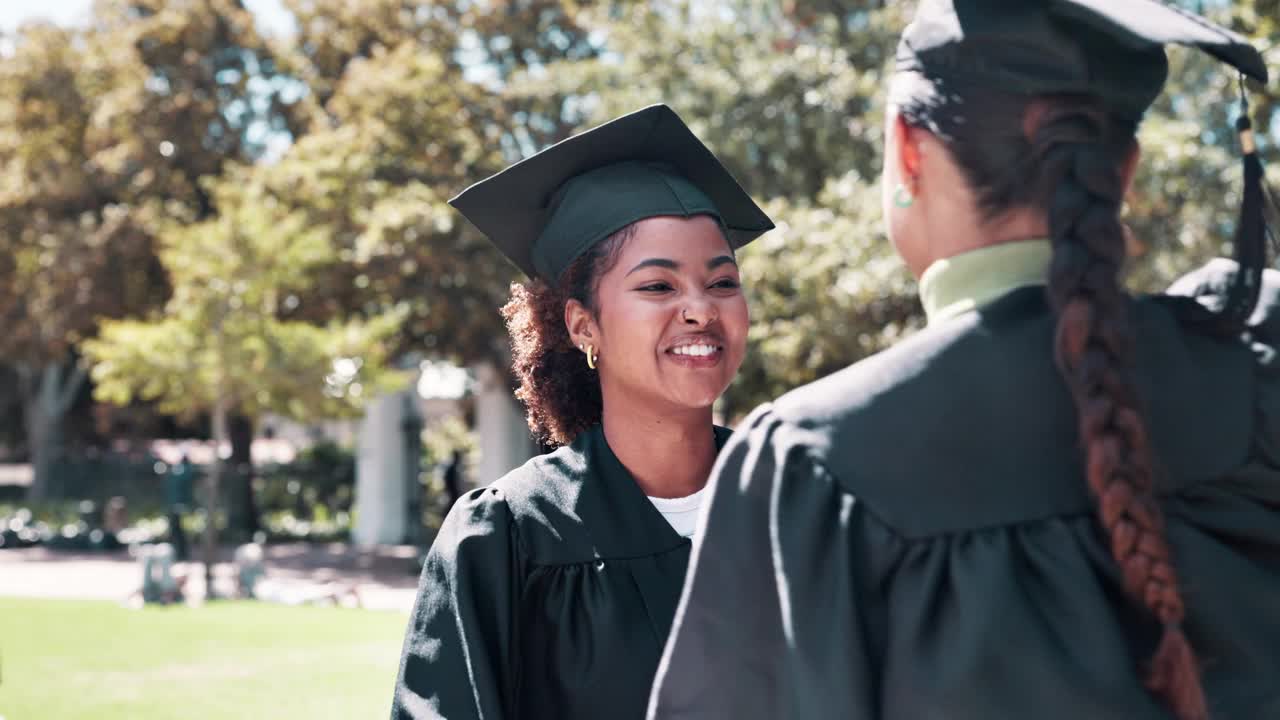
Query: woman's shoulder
[539,498]
[543,477]
[978,402]
[979,372]
[1208,285]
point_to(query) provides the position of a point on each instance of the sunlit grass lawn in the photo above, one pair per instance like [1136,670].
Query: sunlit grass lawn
[67,660]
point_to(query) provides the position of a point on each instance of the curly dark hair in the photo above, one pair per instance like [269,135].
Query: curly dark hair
[560,393]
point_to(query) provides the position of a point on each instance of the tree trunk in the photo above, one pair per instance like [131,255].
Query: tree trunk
[247,521]
[212,483]
[47,394]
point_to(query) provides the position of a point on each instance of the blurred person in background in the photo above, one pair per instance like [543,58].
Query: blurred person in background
[177,493]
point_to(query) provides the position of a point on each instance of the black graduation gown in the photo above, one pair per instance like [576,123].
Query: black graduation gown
[548,594]
[913,539]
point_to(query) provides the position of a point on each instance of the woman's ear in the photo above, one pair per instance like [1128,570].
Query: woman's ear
[906,150]
[580,324]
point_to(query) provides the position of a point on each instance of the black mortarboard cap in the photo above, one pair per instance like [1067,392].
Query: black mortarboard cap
[1112,49]
[1109,49]
[546,210]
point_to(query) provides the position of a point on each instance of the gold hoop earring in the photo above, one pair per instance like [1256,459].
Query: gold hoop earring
[590,350]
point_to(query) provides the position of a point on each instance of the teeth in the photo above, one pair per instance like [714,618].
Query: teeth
[694,350]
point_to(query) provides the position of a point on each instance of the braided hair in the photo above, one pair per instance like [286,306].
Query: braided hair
[1063,155]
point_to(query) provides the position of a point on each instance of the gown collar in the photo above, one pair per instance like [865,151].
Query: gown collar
[635,526]
[955,285]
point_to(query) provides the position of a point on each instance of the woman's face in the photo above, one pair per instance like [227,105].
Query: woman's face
[671,320]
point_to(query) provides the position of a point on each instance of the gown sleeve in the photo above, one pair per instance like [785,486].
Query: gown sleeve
[772,623]
[459,648]
[1209,285]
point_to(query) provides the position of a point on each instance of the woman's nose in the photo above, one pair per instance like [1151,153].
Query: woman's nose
[698,312]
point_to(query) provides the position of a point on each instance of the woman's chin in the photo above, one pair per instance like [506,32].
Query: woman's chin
[695,398]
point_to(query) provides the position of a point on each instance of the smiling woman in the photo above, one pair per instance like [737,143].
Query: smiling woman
[671,323]
[655,302]
[550,593]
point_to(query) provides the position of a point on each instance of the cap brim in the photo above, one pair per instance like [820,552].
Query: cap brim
[1147,22]
[511,208]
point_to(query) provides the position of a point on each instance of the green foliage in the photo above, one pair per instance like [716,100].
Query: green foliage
[789,100]
[320,481]
[128,173]
[373,182]
[222,338]
[70,251]
[107,134]
[405,110]
[791,96]
[825,288]
[441,438]
[792,100]
[104,132]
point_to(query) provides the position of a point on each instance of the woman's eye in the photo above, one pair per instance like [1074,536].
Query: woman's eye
[726,284]
[655,287]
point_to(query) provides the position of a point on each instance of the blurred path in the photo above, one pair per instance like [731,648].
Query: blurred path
[382,576]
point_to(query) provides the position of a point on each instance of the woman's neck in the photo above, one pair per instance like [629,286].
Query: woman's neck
[955,227]
[670,454]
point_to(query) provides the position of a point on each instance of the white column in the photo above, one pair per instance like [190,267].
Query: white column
[505,442]
[380,488]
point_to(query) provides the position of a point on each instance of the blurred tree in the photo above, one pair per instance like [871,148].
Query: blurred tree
[374,113]
[407,108]
[789,99]
[104,132]
[322,477]
[221,347]
[374,178]
[1186,197]
[791,96]
[209,92]
[486,43]
[193,87]
[12,436]
[70,250]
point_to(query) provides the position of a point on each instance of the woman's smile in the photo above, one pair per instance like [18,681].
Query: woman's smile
[696,351]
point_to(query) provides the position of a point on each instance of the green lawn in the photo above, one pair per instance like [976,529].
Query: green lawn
[67,660]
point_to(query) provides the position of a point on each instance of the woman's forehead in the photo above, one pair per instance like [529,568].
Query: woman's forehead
[675,238]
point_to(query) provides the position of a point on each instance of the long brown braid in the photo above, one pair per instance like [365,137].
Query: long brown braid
[1094,351]
[1063,155]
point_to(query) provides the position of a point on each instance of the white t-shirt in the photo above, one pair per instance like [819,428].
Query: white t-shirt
[681,512]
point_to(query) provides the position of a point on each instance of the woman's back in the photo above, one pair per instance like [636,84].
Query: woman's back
[1057,501]
[946,475]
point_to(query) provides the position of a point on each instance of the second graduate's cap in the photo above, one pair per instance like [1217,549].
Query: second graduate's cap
[1112,49]
[1109,49]
[546,210]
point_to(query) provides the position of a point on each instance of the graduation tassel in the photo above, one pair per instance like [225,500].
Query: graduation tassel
[1271,214]
[1270,205]
[1251,232]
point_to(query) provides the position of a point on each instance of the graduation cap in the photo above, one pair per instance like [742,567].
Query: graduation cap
[1110,49]
[547,210]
